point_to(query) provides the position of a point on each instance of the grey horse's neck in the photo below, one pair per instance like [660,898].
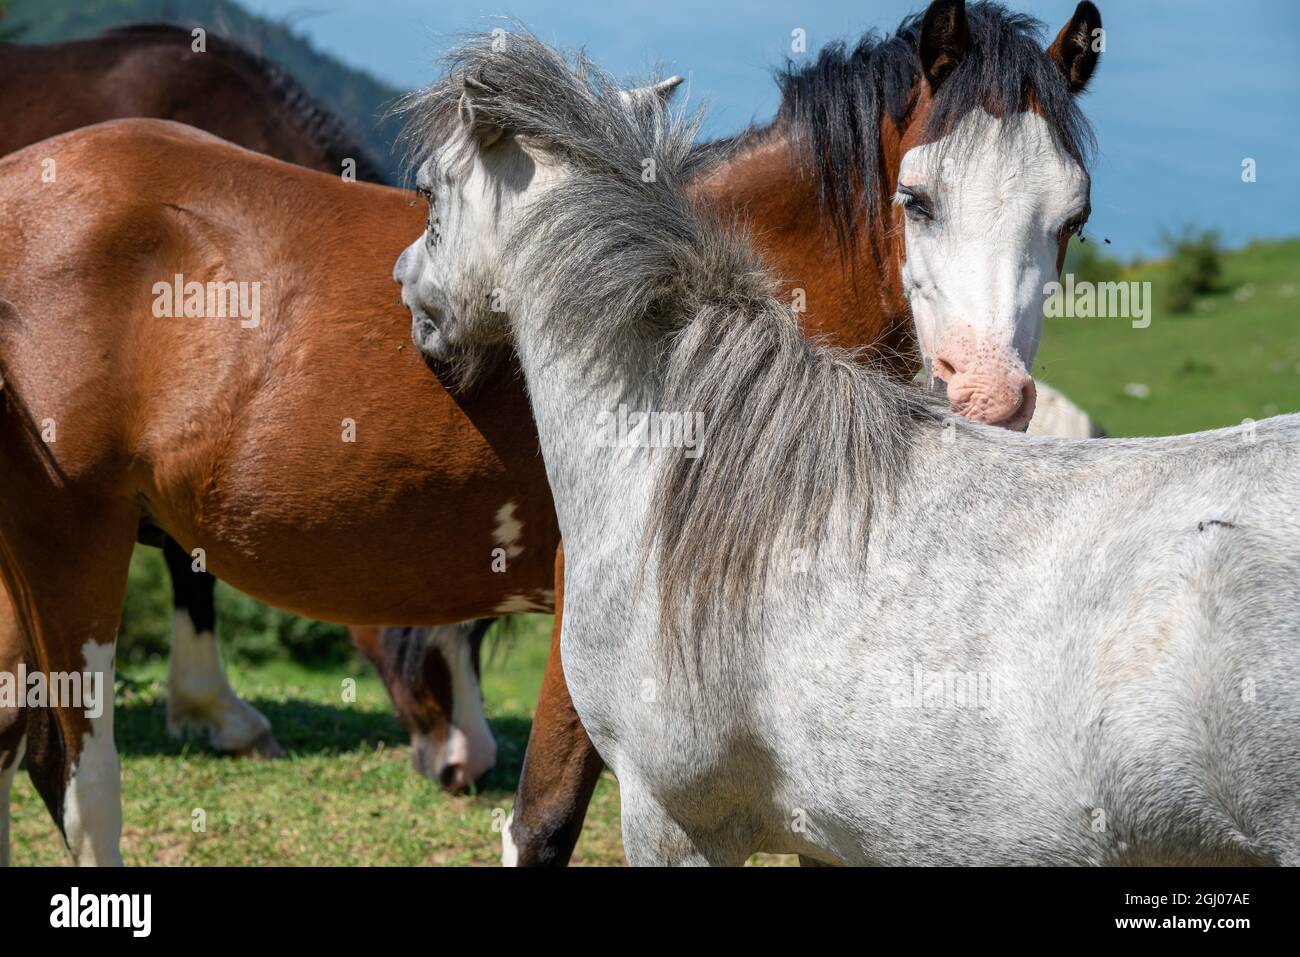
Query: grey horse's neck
[597,479]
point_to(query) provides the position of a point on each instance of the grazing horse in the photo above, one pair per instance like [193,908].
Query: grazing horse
[845,623]
[821,188]
[152,70]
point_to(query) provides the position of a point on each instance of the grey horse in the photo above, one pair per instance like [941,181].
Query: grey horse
[838,621]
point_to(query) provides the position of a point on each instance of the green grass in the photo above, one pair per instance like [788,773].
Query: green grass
[1225,361]
[347,794]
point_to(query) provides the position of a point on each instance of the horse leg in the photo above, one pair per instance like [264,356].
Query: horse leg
[806,861]
[65,565]
[198,692]
[561,768]
[11,757]
[652,838]
[13,726]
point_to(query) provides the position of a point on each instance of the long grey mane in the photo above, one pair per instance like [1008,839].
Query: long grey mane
[630,268]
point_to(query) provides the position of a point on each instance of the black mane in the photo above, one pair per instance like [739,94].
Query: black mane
[833,108]
[323,126]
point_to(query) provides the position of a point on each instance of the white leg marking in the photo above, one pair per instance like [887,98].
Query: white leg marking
[470,732]
[509,853]
[6,783]
[199,694]
[92,804]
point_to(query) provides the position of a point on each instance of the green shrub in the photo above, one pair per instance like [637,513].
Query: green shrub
[1089,264]
[259,633]
[1195,266]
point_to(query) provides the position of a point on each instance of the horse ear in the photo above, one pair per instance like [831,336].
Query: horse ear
[945,38]
[1077,48]
[475,94]
[661,91]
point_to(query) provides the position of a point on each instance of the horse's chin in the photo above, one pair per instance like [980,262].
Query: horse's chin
[429,339]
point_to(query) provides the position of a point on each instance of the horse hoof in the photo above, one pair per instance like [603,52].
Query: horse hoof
[263,747]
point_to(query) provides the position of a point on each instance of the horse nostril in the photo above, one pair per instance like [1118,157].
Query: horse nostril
[453,777]
[943,369]
[1028,401]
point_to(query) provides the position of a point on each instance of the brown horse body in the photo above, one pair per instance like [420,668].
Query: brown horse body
[154,70]
[238,440]
[314,458]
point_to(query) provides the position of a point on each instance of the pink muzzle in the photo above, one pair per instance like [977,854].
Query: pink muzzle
[986,383]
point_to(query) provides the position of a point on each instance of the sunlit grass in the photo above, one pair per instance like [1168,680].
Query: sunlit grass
[346,794]
[1235,356]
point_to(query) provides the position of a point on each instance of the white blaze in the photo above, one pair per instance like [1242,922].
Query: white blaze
[978,270]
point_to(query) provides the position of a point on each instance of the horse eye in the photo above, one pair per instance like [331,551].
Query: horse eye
[915,202]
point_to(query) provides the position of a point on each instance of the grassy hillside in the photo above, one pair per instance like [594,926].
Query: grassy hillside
[1235,356]
[354,95]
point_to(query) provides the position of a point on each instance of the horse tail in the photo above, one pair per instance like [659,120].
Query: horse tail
[12,407]
[9,323]
[7,313]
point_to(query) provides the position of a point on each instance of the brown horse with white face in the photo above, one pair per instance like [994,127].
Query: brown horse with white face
[934,177]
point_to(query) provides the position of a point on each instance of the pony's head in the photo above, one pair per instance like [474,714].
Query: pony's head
[432,676]
[474,181]
[956,153]
[512,121]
